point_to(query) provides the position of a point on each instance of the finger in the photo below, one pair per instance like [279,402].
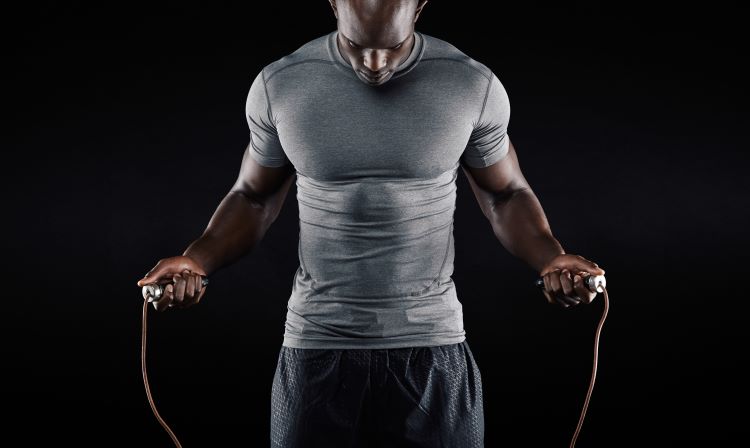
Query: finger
[547,290]
[189,289]
[568,301]
[586,265]
[166,298]
[170,296]
[179,289]
[554,281]
[553,295]
[570,295]
[567,283]
[573,301]
[199,286]
[201,292]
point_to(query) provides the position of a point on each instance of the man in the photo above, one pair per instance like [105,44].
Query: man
[373,120]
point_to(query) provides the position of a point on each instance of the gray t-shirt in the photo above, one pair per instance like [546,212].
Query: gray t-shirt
[376,170]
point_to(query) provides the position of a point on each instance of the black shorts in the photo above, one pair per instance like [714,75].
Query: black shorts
[404,397]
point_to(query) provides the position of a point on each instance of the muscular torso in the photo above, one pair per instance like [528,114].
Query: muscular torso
[376,170]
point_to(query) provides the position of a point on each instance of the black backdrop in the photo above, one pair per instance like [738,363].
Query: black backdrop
[126,128]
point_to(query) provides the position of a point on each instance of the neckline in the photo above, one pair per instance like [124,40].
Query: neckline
[403,68]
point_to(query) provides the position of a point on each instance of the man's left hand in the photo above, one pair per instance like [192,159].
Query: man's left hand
[563,280]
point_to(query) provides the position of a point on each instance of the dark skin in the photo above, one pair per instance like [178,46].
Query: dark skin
[375,36]
[519,222]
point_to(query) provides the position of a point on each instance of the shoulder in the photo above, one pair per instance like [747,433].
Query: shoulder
[312,52]
[440,52]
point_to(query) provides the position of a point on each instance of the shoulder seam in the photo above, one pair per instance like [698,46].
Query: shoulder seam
[300,62]
[486,95]
[268,100]
[458,62]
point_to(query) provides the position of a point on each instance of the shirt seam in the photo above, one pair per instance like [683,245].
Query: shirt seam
[484,103]
[300,62]
[268,99]
[458,62]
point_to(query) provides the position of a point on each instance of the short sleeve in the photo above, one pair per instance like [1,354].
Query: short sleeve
[489,142]
[265,146]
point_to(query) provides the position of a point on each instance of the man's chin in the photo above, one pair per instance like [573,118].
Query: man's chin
[374,82]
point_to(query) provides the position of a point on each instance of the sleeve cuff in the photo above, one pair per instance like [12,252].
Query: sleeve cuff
[489,158]
[265,160]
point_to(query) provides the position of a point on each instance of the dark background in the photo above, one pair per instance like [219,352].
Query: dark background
[125,128]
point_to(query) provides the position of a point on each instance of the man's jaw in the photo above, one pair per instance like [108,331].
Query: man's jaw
[374,81]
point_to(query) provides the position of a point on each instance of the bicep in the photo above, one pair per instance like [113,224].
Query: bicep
[498,180]
[265,169]
[489,159]
[262,183]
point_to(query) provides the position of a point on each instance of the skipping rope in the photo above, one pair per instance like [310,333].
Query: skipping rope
[593,282]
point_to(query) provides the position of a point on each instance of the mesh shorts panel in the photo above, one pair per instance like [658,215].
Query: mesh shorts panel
[405,397]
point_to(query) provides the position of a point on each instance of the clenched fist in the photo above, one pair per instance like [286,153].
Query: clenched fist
[183,279]
[563,280]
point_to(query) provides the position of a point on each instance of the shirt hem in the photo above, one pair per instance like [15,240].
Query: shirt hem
[370,343]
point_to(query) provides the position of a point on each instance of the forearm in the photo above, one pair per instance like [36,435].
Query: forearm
[238,224]
[520,224]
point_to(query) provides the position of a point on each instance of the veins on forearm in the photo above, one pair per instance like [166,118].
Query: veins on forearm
[521,226]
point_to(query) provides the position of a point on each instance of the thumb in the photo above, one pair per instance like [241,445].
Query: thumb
[588,266]
[152,276]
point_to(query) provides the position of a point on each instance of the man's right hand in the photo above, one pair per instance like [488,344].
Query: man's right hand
[182,277]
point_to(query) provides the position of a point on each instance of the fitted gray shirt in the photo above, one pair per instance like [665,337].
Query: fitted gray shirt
[376,170]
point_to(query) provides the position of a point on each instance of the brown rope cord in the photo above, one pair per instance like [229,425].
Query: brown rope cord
[593,372]
[572,442]
[145,377]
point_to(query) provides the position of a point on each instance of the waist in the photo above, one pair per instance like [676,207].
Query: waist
[339,265]
[324,320]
